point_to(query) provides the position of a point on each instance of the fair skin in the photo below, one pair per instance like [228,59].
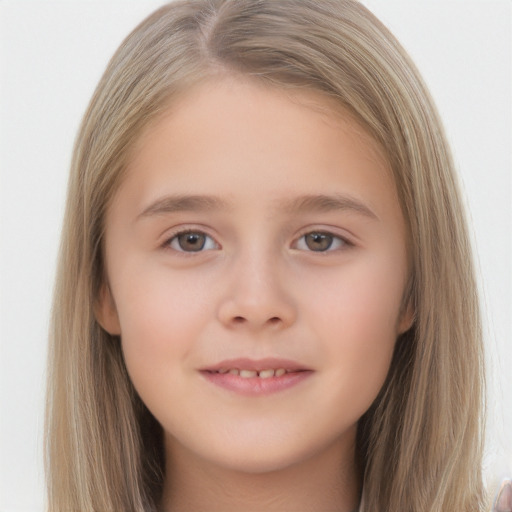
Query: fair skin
[293,258]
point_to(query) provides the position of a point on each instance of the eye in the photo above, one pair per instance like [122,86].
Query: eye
[192,241]
[321,241]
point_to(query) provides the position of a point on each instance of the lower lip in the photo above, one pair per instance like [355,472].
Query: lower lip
[256,386]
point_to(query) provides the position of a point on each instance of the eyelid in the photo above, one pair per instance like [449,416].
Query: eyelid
[347,243]
[345,240]
[170,236]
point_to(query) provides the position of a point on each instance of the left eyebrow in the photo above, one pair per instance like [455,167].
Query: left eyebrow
[327,203]
[181,203]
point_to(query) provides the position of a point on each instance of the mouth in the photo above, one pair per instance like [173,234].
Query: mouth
[253,374]
[249,377]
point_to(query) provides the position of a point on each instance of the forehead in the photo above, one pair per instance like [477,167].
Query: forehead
[236,138]
[211,100]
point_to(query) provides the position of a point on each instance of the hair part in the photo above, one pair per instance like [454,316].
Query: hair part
[420,444]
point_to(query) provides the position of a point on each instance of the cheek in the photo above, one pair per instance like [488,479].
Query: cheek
[160,318]
[358,299]
[155,303]
[355,313]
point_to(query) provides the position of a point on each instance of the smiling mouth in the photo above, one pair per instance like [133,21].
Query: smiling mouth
[253,378]
[253,374]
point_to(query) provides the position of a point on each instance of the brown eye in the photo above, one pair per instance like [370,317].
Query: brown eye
[192,241]
[321,241]
[318,241]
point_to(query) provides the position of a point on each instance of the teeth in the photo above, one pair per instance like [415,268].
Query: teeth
[250,374]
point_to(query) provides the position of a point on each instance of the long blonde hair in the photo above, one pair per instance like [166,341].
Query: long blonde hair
[420,444]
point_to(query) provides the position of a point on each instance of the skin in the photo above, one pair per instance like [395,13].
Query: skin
[256,290]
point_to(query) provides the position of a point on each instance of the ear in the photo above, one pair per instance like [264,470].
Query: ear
[407,318]
[105,311]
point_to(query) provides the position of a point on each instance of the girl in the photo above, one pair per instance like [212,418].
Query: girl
[265,296]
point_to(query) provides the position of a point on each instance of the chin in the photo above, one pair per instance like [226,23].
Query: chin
[254,455]
[254,464]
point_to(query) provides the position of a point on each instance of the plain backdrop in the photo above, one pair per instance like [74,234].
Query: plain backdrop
[51,56]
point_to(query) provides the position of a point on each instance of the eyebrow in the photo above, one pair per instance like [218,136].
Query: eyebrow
[183,203]
[306,203]
[328,203]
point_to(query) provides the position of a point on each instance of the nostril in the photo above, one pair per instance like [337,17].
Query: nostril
[240,320]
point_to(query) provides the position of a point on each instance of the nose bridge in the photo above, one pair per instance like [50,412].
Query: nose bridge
[256,294]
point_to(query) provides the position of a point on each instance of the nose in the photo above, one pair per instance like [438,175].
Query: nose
[257,296]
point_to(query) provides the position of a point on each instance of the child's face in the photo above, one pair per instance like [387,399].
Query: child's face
[252,227]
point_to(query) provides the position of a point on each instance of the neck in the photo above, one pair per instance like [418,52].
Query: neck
[327,482]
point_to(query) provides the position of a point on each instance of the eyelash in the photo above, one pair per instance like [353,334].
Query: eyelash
[175,238]
[341,243]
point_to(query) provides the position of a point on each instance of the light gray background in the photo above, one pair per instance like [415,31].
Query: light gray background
[51,57]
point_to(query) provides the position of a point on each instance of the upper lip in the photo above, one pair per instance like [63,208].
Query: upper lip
[257,364]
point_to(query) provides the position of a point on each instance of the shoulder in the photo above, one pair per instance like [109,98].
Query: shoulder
[503,502]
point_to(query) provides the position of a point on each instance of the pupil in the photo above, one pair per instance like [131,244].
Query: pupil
[318,241]
[191,241]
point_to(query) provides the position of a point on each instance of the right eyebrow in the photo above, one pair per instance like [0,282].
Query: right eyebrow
[179,203]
